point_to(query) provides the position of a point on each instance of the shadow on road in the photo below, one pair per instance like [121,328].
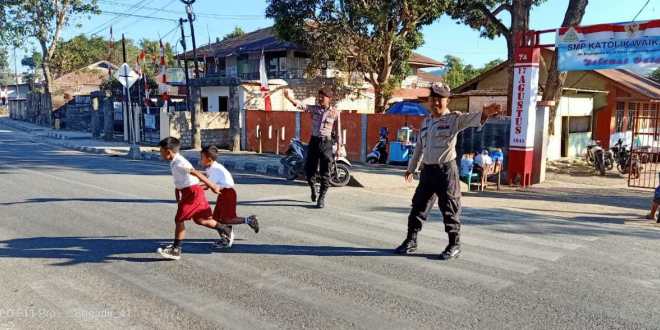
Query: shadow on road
[92,200]
[274,202]
[596,196]
[535,224]
[66,251]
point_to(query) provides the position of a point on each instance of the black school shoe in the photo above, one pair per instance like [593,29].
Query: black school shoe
[170,252]
[409,245]
[253,222]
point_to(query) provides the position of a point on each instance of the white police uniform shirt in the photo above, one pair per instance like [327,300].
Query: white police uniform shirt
[219,175]
[436,144]
[181,169]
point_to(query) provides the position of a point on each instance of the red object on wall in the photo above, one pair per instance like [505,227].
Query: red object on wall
[351,122]
[276,121]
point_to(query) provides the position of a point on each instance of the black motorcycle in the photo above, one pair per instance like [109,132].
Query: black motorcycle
[294,164]
[625,163]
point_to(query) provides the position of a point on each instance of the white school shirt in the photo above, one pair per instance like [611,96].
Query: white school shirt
[181,169]
[219,175]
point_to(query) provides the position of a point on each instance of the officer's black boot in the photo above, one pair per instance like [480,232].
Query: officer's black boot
[453,249]
[312,186]
[409,245]
[320,203]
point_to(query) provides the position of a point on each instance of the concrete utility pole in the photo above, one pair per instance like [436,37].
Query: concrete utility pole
[185,72]
[196,93]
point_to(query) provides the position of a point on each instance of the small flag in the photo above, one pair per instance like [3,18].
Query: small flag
[263,77]
[163,76]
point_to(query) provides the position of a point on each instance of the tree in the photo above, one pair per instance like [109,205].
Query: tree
[554,85]
[5,71]
[372,37]
[77,53]
[43,20]
[238,32]
[655,75]
[483,15]
[491,64]
[457,73]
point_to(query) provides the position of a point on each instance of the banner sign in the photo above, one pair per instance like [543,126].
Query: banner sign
[609,46]
[523,112]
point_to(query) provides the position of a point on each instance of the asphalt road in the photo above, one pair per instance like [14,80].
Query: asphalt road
[78,234]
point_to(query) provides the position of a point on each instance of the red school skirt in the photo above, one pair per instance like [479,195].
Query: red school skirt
[225,208]
[192,204]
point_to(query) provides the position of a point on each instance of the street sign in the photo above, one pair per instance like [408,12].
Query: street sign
[125,72]
[175,75]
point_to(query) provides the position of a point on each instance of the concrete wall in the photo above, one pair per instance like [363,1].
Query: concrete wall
[214,127]
[213,94]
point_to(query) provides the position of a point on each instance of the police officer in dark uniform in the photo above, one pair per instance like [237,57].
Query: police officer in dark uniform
[435,151]
[319,152]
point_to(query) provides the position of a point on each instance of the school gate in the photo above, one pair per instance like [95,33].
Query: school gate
[645,145]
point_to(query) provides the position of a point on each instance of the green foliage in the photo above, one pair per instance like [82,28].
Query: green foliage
[482,15]
[457,73]
[6,76]
[655,75]
[236,33]
[81,51]
[373,37]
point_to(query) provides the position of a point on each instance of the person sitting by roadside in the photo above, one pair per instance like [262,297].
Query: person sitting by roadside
[654,204]
[483,165]
[482,162]
[467,162]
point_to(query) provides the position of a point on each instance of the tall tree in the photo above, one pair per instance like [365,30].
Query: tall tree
[43,20]
[555,82]
[655,75]
[372,37]
[233,34]
[456,73]
[484,15]
[6,76]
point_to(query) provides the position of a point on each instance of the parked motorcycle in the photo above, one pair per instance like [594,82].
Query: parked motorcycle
[603,160]
[626,163]
[296,155]
[379,153]
[589,154]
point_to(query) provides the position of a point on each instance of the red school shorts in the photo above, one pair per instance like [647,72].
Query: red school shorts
[192,204]
[225,208]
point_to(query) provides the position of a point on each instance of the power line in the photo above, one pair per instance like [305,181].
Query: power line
[118,16]
[207,15]
[641,10]
[155,11]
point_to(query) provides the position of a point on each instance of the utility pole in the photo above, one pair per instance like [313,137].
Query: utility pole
[15,76]
[196,137]
[185,72]
[127,119]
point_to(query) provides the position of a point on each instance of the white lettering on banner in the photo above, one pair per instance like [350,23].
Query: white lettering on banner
[525,83]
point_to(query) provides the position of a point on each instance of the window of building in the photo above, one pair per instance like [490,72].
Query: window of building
[580,124]
[223,103]
[620,108]
[276,64]
[243,64]
[205,104]
[632,114]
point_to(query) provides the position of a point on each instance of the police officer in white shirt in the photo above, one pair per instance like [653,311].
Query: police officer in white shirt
[435,153]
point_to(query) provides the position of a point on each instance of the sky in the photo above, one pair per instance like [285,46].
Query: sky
[219,17]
